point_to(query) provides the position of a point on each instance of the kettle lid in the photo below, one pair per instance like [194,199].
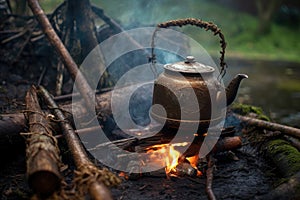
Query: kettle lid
[189,66]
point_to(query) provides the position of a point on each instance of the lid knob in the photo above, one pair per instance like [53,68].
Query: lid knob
[190,59]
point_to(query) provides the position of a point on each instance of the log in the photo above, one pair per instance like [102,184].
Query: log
[10,127]
[17,122]
[223,144]
[43,160]
[12,124]
[283,155]
[288,190]
[88,176]
[291,131]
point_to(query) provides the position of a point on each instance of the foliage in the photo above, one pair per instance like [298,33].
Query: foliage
[240,29]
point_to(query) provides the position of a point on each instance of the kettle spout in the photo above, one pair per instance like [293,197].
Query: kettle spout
[232,88]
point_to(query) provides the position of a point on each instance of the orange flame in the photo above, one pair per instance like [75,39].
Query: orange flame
[169,155]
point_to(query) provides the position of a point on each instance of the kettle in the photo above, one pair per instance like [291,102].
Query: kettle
[189,82]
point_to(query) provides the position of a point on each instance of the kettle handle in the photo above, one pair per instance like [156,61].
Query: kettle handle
[201,24]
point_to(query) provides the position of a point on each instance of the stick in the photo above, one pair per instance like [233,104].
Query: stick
[81,83]
[88,175]
[42,152]
[59,78]
[209,178]
[291,131]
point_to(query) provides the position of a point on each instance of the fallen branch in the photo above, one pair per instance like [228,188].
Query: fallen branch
[88,176]
[43,161]
[291,131]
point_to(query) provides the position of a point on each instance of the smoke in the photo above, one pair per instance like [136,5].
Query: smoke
[138,13]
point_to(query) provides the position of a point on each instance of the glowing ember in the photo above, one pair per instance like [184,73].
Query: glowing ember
[123,174]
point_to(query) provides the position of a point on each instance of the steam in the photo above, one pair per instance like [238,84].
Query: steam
[141,13]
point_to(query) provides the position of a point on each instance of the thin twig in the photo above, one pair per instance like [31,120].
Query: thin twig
[42,75]
[209,178]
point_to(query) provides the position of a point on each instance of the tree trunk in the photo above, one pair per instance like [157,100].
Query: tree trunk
[265,11]
[82,16]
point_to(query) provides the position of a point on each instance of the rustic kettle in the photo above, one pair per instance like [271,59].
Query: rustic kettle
[187,81]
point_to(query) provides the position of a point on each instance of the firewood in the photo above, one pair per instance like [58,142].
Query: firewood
[291,131]
[88,176]
[43,161]
[223,144]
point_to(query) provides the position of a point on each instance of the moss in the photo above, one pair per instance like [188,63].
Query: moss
[285,156]
[244,109]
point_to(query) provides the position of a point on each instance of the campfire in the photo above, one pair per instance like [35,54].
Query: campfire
[166,154]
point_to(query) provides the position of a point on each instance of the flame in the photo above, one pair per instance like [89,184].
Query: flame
[171,159]
[194,162]
[168,156]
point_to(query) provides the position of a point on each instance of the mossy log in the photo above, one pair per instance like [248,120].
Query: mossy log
[287,190]
[283,155]
[277,149]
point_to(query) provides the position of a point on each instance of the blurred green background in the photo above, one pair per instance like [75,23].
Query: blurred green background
[240,22]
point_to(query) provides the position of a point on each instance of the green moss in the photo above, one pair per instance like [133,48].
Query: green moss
[285,156]
[244,109]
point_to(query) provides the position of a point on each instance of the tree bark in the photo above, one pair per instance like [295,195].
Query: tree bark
[81,14]
[43,161]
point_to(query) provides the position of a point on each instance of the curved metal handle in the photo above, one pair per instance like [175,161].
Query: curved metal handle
[201,24]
